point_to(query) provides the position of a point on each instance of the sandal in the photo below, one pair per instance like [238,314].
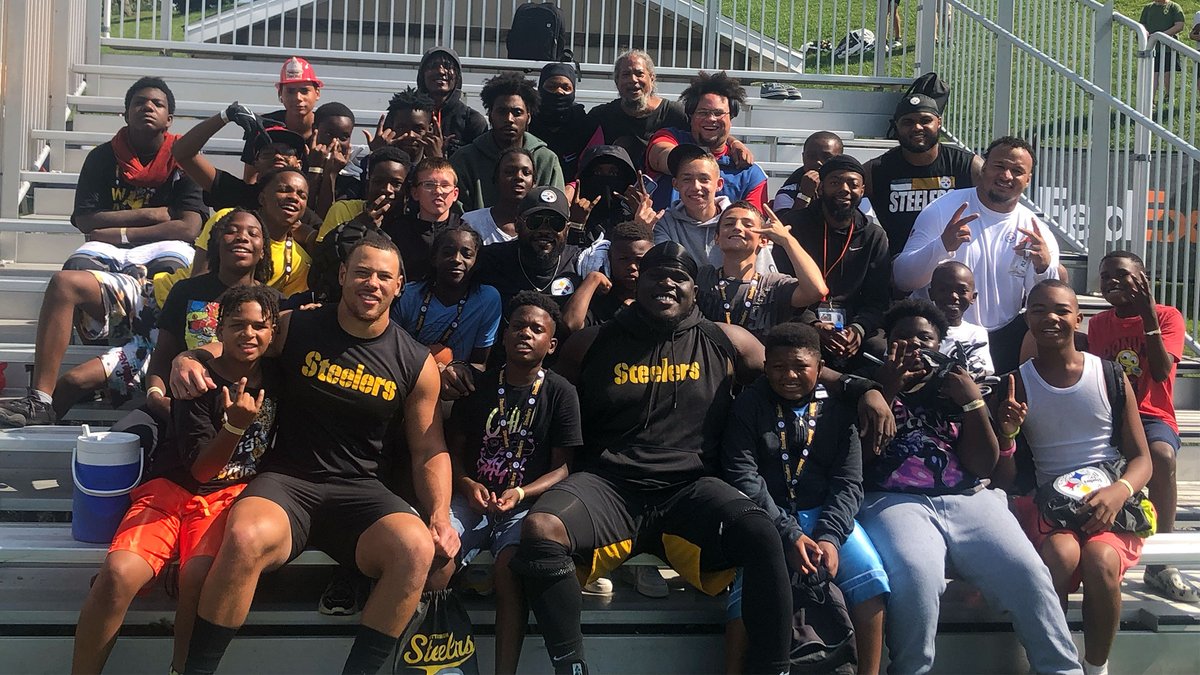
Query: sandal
[1169,583]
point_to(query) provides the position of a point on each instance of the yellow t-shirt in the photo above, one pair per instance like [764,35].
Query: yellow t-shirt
[340,212]
[281,280]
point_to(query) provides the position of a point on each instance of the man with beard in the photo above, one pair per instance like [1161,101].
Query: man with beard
[904,180]
[440,76]
[654,386]
[987,229]
[629,120]
[711,103]
[510,100]
[851,252]
[347,372]
[539,259]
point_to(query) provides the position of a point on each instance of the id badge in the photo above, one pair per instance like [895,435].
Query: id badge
[832,314]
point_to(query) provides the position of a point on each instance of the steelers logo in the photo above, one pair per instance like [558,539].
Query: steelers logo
[914,100]
[946,182]
[548,196]
[562,286]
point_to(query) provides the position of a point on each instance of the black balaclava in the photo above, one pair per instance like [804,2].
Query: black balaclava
[555,107]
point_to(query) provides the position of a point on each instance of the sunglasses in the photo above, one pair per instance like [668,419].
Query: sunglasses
[549,222]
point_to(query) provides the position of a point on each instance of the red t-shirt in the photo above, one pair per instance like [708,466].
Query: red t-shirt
[1124,340]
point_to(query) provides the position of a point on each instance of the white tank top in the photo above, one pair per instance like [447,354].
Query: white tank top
[1070,427]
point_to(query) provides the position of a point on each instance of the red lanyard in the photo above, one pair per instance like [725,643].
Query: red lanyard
[825,252]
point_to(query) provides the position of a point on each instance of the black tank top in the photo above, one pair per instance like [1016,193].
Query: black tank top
[338,395]
[654,402]
[900,190]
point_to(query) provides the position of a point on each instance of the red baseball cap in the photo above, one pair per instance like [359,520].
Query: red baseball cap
[295,71]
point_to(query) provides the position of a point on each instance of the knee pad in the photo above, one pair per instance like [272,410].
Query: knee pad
[746,526]
[542,559]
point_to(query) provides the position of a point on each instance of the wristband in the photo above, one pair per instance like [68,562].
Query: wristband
[232,429]
[1014,434]
[1009,452]
[520,493]
[224,116]
[316,169]
[1156,331]
[124,235]
[974,405]
[158,390]
[1127,485]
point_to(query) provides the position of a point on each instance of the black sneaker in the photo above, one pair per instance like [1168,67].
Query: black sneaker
[345,595]
[25,411]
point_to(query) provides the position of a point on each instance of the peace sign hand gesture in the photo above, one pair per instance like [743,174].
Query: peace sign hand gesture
[957,231]
[1034,244]
[773,228]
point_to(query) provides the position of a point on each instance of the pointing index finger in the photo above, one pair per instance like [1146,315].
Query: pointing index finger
[1012,389]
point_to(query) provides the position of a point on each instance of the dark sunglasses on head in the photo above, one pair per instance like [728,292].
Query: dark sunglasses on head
[548,222]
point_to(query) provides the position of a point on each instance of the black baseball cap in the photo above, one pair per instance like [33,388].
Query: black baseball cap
[283,136]
[545,198]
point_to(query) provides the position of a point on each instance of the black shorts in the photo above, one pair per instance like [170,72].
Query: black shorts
[1165,59]
[330,515]
[608,521]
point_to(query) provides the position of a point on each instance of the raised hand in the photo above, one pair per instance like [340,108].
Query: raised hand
[383,136]
[1012,413]
[433,141]
[1142,298]
[318,153]
[240,407]
[1034,244]
[640,204]
[241,116]
[958,231]
[960,387]
[773,228]
[374,210]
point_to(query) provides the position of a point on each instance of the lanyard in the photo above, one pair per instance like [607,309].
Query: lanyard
[428,297]
[808,427]
[825,252]
[288,243]
[524,423]
[727,302]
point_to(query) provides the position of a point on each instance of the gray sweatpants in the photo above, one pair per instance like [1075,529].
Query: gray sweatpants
[916,535]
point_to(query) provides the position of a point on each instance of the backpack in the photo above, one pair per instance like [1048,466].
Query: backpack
[929,85]
[822,633]
[1025,481]
[856,42]
[538,33]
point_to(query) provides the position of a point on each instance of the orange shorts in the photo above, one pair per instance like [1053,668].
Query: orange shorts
[1127,545]
[165,518]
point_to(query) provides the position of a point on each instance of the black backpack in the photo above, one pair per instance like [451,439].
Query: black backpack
[538,33]
[929,85]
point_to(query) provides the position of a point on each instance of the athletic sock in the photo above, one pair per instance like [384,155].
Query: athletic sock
[555,596]
[1089,669]
[41,396]
[371,648]
[207,646]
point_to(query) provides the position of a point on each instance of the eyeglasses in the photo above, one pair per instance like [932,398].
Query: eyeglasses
[711,114]
[433,186]
[547,222]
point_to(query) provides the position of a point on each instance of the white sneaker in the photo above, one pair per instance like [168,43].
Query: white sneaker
[602,586]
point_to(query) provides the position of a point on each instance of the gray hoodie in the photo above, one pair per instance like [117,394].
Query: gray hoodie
[700,239]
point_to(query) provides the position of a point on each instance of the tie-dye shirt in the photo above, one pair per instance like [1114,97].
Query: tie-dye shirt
[921,458]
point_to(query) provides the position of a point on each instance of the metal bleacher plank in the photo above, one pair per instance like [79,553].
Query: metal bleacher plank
[38,225]
[53,439]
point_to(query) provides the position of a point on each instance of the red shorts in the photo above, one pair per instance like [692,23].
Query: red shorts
[164,518]
[1127,545]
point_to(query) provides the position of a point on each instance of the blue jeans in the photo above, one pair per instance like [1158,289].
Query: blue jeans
[477,530]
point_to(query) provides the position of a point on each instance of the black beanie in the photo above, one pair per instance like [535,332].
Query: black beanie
[841,163]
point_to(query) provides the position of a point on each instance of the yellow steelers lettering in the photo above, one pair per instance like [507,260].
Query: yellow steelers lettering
[311,361]
[621,373]
[354,379]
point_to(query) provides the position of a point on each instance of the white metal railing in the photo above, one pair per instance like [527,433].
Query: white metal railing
[768,36]
[37,80]
[1117,160]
